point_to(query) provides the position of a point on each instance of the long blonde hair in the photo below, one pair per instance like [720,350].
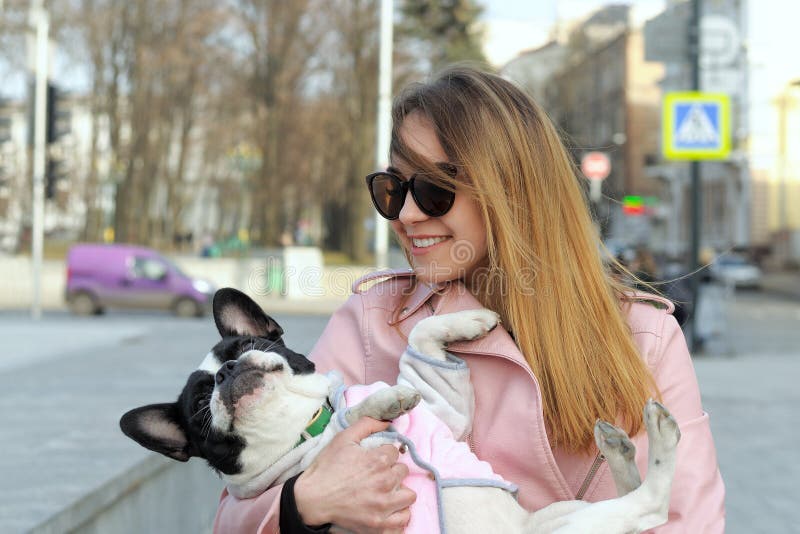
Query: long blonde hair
[545,277]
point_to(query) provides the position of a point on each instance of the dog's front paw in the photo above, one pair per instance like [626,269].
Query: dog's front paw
[403,400]
[662,429]
[386,404]
[431,335]
[473,324]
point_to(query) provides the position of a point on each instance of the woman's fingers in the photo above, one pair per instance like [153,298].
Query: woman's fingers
[362,428]
[400,471]
[405,497]
[398,521]
[356,488]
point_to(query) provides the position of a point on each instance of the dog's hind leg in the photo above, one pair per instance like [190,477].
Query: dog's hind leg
[431,335]
[620,453]
[645,507]
[663,436]
[385,404]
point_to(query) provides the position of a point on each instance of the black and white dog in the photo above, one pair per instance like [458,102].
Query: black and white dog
[258,413]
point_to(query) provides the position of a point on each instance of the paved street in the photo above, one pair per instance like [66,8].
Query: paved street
[67,380]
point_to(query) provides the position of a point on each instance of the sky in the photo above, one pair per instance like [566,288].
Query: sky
[515,25]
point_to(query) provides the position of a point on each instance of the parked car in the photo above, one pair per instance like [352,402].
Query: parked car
[735,270]
[126,276]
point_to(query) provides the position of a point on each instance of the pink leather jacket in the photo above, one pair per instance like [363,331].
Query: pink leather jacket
[366,336]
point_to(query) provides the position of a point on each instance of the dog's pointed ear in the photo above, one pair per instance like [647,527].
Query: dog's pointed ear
[156,427]
[237,315]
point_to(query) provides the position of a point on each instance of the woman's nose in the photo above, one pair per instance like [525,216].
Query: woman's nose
[410,213]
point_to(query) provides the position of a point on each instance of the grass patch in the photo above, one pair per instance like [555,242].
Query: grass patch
[335,257]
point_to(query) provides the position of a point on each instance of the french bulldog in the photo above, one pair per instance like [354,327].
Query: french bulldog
[258,413]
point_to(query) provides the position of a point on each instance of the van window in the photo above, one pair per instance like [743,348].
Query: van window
[149,269]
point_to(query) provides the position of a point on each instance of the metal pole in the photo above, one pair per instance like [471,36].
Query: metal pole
[743,231]
[42,24]
[783,106]
[784,103]
[694,258]
[384,124]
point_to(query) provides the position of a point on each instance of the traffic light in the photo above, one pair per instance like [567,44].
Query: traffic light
[635,205]
[58,118]
[55,171]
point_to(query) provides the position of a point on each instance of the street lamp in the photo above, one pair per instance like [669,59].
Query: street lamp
[784,102]
[384,127]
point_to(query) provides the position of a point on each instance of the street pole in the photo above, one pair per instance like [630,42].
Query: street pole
[694,257]
[41,22]
[384,124]
[784,103]
[742,235]
[783,107]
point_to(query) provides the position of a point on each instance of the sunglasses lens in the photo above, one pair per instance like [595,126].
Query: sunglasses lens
[387,195]
[431,198]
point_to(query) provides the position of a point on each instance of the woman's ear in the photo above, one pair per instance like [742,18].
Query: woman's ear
[236,314]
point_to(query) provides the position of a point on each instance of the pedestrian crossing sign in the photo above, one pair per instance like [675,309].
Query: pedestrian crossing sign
[696,126]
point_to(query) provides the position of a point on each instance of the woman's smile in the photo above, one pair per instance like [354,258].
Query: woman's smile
[423,244]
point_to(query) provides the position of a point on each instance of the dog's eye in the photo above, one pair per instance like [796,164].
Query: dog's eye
[200,404]
[249,344]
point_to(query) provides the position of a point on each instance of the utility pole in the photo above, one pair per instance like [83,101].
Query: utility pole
[696,203]
[39,21]
[785,105]
[384,128]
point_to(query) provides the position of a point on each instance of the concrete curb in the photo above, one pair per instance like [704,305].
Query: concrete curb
[114,504]
[91,504]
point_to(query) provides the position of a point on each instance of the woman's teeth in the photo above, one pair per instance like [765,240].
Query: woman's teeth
[427,242]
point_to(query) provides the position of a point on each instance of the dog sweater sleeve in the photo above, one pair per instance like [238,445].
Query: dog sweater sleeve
[290,520]
[445,387]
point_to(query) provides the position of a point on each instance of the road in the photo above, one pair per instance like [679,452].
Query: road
[67,380]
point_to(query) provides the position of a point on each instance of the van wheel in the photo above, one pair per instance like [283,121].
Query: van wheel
[84,303]
[186,307]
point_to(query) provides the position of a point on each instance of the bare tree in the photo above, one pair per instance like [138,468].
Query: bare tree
[355,75]
[283,37]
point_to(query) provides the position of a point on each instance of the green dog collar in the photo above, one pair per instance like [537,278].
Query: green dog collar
[317,424]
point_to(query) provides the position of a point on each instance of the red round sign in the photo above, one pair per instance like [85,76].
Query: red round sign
[595,165]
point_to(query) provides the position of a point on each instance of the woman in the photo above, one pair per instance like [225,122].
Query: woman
[484,200]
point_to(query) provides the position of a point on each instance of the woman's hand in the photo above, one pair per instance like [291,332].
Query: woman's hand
[356,488]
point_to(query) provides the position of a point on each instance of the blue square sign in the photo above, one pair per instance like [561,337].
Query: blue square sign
[696,126]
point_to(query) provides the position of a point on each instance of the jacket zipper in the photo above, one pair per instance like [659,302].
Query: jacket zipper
[598,461]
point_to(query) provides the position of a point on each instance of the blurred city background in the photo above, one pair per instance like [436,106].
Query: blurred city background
[225,144]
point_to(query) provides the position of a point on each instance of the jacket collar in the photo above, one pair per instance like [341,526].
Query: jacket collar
[454,297]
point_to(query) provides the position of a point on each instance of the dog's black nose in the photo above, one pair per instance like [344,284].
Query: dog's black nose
[225,371]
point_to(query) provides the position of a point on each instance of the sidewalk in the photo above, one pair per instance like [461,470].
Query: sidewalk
[752,401]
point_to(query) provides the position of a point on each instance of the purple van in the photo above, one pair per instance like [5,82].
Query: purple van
[101,276]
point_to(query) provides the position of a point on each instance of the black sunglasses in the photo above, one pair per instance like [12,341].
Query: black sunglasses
[388,192]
